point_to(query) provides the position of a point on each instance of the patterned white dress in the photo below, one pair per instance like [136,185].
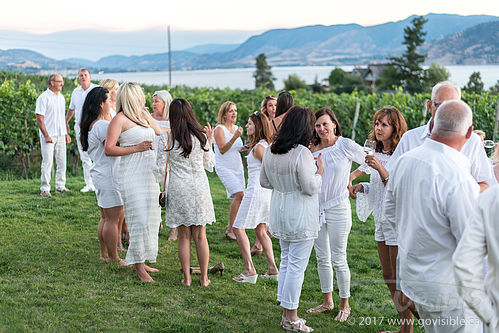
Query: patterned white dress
[255,207]
[140,192]
[229,166]
[189,199]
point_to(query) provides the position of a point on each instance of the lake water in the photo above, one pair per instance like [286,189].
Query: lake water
[243,77]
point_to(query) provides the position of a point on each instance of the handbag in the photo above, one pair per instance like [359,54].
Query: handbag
[162,195]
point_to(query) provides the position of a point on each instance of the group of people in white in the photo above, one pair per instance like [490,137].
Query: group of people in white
[437,238]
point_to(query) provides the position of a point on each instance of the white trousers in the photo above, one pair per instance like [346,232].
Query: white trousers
[294,261]
[461,320]
[331,246]
[58,146]
[86,162]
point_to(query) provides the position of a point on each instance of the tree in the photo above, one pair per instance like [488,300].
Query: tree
[294,82]
[494,90]
[409,72]
[263,75]
[475,83]
[343,82]
[436,74]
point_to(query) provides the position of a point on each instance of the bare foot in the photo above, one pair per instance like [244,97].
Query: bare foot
[144,277]
[150,269]
[103,258]
[185,282]
[121,262]
[205,283]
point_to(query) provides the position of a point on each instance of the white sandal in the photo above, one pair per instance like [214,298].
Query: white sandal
[296,326]
[246,279]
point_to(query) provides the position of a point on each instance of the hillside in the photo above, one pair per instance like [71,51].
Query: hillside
[477,45]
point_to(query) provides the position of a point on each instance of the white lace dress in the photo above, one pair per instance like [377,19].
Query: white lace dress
[189,199]
[294,207]
[372,200]
[255,207]
[229,166]
[140,192]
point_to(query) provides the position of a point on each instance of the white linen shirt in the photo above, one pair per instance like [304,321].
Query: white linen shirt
[428,203]
[337,165]
[52,107]
[472,149]
[77,99]
[294,206]
[481,238]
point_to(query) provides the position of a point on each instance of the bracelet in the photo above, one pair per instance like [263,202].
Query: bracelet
[386,179]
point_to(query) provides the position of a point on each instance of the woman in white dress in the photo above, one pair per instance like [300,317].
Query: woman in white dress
[161,100]
[229,165]
[255,208]
[288,168]
[104,171]
[387,129]
[134,129]
[189,206]
[336,217]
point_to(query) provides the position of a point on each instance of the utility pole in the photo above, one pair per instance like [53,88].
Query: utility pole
[169,58]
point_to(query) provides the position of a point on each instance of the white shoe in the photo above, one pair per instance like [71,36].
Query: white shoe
[246,279]
[87,188]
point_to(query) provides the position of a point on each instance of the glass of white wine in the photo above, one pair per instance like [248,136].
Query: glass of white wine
[489,144]
[370,147]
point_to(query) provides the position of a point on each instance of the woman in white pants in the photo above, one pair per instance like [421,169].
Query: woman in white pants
[288,168]
[335,213]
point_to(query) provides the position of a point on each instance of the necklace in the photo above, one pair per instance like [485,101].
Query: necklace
[385,151]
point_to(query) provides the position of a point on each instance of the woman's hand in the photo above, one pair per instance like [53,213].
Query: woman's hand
[320,164]
[353,190]
[238,132]
[144,146]
[373,162]
[209,133]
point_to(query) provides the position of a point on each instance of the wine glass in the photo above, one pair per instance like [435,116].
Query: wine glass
[489,144]
[370,147]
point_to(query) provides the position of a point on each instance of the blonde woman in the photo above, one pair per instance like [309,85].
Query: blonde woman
[229,165]
[112,86]
[269,105]
[134,129]
[161,101]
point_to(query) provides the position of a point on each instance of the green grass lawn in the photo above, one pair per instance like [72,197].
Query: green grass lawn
[51,278]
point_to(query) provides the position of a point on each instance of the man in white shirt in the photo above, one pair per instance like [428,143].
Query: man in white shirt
[473,148]
[50,109]
[429,201]
[75,107]
[481,238]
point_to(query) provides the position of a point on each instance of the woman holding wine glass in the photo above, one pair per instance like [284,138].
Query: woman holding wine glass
[335,212]
[387,129]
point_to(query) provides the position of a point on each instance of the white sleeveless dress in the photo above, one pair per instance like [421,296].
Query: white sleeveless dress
[255,207]
[229,166]
[140,192]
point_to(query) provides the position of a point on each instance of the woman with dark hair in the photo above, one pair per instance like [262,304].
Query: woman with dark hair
[388,126]
[229,165]
[189,206]
[335,212]
[289,169]
[255,207]
[284,102]
[95,120]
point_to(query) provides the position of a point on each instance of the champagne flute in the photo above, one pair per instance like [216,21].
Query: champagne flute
[489,144]
[369,147]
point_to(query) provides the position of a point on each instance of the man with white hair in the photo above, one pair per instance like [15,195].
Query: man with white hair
[75,107]
[480,241]
[429,201]
[473,148]
[50,109]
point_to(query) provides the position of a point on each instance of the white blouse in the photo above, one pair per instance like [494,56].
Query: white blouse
[294,207]
[337,164]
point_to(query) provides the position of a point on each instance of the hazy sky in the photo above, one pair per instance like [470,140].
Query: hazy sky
[125,15]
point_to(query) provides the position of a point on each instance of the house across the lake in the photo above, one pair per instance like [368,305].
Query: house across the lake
[370,73]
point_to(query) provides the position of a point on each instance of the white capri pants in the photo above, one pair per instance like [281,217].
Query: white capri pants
[331,246]
[294,261]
